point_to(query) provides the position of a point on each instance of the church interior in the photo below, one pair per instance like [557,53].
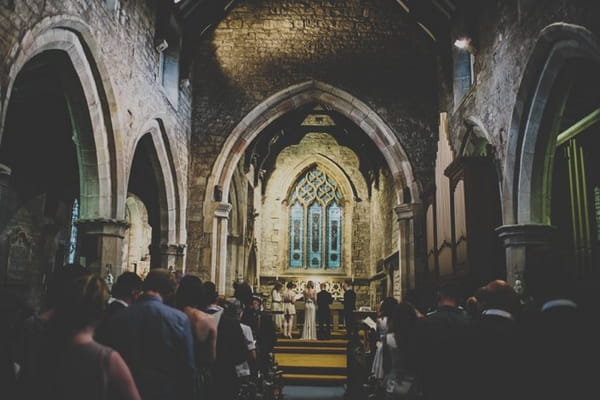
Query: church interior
[393,146]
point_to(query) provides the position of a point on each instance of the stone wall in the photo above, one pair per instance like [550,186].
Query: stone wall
[505,33]
[369,49]
[120,50]
[121,42]
[367,233]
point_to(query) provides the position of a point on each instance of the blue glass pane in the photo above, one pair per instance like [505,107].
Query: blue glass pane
[296,235]
[334,235]
[315,213]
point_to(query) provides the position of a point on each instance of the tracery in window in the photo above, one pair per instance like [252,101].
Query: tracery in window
[315,230]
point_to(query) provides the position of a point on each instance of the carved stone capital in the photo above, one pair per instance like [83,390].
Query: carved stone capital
[408,211]
[172,249]
[222,210]
[102,227]
[526,234]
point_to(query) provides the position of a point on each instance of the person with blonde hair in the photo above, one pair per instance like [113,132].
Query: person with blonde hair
[309,330]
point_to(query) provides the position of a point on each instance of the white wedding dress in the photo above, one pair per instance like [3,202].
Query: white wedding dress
[309,331]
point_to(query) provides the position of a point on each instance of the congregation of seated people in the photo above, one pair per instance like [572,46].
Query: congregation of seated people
[155,339]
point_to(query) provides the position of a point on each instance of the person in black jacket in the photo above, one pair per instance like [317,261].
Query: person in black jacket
[324,300]
[349,307]
[125,292]
[495,352]
[231,347]
[263,329]
[442,340]
[561,334]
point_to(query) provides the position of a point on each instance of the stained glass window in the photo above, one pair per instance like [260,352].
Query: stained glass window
[296,235]
[315,230]
[72,247]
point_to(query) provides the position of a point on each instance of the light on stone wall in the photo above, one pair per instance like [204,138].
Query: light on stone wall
[462,43]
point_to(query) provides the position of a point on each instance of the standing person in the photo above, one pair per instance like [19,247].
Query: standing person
[231,347]
[561,334]
[263,330]
[73,366]
[125,292]
[399,370]
[277,305]
[33,335]
[442,338]
[349,307]
[289,309]
[495,343]
[309,330]
[385,311]
[324,300]
[156,341]
[189,299]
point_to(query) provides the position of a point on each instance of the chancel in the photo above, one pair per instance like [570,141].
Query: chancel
[324,199]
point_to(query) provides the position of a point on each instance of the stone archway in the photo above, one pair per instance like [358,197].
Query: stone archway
[216,210]
[164,202]
[98,152]
[526,207]
[99,148]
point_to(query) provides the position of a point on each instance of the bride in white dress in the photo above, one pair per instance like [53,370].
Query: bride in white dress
[309,331]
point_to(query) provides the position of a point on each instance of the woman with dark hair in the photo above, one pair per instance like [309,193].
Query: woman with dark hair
[398,365]
[190,299]
[385,310]
[74,366]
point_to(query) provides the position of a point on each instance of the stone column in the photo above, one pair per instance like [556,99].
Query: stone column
[5,173]
[171,255]
[100,244]
[523,243]
[218,267]
[412,249]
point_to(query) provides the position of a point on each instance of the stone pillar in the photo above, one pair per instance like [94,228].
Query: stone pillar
[5,173]
[412,249]
[171,255]
[218,263]
[100,244]
[523,243]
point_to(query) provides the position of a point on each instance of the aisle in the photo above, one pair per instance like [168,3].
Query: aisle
[313,393]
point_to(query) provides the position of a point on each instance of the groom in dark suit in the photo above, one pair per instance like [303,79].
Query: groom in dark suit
[324,300]
[349,307]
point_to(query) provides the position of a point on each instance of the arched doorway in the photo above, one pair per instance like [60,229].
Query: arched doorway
[147,193]
[138,236]
[573,117]
[46,151]
[550,172]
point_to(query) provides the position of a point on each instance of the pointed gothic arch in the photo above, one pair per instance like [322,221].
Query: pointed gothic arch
[99,151]
[216,208]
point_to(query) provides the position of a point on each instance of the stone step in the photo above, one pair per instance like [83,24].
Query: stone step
[341,343]
[308,349]
[310,363]
[313,379]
